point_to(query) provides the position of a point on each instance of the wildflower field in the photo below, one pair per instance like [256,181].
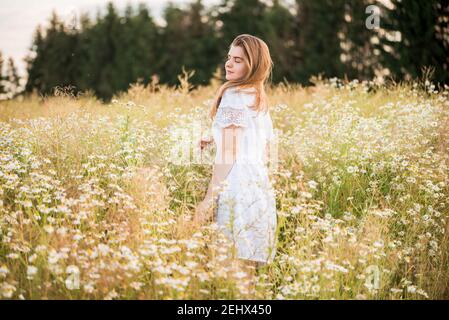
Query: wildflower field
[92,207]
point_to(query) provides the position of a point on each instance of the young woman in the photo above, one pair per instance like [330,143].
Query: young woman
[240,189]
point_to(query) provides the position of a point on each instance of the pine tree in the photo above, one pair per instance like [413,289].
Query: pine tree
[143,32]
[173,46]
[53,61]
[35,63]
[280,39]
[318,23]
[12,79]
[416,36]
[241,16]
[202,47]
[359,56]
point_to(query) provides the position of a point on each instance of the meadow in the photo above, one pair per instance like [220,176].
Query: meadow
[92,207]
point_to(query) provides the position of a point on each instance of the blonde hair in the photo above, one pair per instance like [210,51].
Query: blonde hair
[259,65]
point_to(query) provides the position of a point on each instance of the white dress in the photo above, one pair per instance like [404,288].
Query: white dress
[246,208]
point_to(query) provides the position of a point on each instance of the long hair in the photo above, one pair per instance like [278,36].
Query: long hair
[259,66]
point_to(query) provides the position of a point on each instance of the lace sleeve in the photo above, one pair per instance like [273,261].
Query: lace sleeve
[232,110]
[227,116]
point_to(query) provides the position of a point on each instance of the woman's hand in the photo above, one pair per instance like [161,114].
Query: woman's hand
[204,142]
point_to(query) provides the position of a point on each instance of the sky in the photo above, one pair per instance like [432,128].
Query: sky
[19,19]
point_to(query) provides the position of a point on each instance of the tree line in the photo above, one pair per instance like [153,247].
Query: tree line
[9,79]
[306,38]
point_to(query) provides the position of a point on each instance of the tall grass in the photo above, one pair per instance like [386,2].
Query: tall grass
[91,206]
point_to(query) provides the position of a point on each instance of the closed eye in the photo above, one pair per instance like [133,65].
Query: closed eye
[237,60]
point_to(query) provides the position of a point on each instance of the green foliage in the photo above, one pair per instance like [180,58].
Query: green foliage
[306,39]
[423,41]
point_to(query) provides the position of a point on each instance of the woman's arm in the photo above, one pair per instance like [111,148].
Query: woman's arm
[231,136]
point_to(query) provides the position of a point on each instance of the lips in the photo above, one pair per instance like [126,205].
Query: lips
[229,71]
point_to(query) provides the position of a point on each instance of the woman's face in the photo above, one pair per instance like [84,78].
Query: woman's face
[235,65]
